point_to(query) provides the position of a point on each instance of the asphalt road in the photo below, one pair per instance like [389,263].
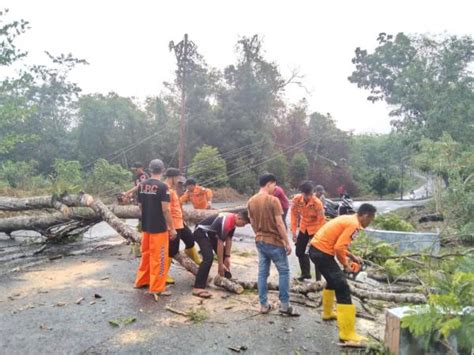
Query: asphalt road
[39,313]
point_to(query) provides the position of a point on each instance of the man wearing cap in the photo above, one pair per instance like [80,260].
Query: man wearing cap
[201,197]
[183,232]
[157,230]
[139,176]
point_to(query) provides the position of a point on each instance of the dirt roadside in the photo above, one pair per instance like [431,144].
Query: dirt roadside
[64,306]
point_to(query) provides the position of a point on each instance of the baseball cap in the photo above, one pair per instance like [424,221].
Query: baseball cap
[156,166]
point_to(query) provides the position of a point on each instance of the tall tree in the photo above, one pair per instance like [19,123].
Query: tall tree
[53,99]
[14,108]
[115,128]
[427,81]
[328,153]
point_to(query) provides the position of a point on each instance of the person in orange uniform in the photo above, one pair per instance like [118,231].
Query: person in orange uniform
[307,211]
[157,230]
[333,240]
[183,232]
[200,197]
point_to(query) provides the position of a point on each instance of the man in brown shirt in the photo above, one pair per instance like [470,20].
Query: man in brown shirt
[265,214]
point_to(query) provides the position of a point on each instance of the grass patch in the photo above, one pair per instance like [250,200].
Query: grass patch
[197,315]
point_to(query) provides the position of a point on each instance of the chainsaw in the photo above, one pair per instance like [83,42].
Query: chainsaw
[356,268]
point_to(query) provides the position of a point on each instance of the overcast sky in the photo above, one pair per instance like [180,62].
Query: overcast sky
[126,42]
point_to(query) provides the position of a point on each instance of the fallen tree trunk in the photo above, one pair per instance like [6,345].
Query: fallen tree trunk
[388,289]
[43,221]
[122,228]
[385,278]
[15,204]
[302,289]
[358,292]
[186,262]
[191,215]
[191,266]
[390,297]
[24,204]
[228,284]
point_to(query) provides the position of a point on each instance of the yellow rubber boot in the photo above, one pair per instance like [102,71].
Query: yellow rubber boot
[328,305]
[169,279]
[346,323]
[193,254]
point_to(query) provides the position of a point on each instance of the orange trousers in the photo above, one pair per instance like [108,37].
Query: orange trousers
[154,263]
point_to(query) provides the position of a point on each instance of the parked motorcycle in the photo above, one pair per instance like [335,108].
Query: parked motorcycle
[332,209]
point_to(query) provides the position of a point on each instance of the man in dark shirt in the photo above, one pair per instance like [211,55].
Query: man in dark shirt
[139,175]
[157,229]
[215,233]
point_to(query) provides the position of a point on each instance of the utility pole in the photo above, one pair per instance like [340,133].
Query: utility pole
[184,51]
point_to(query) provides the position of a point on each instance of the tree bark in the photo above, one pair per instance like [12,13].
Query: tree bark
[26,203]
[228,284]
[384,278]
[358,292]
[387,289]
[390,297]
[108,216]
[302,289]
[186,262]
[42,222]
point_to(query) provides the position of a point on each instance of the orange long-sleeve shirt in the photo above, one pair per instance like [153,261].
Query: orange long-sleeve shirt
[200,197]
[309,214]
[175,209]
[336,235]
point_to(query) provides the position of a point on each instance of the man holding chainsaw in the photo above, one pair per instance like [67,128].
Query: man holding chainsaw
[333,240]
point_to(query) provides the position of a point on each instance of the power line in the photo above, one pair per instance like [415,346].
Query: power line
[120,151]
[228,154]
[258,163]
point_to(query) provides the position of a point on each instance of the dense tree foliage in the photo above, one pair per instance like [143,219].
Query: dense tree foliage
[208,167]
[427,80]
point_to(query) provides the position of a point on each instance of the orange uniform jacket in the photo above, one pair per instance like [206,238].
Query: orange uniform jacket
[310,215]
[175,209]
[336,235]
[200,197]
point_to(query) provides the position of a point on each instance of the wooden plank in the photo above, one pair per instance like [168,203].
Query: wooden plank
[392,332]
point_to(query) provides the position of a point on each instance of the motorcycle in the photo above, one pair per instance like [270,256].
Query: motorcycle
[332,209]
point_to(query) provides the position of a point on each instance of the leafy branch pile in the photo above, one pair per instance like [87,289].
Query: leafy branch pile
[447,280]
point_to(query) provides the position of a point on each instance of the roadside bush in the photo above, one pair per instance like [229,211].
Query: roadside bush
[17,174]
[106,178]
[245,182]
[392,222]
[67,176]
[208,166]
[447,313]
